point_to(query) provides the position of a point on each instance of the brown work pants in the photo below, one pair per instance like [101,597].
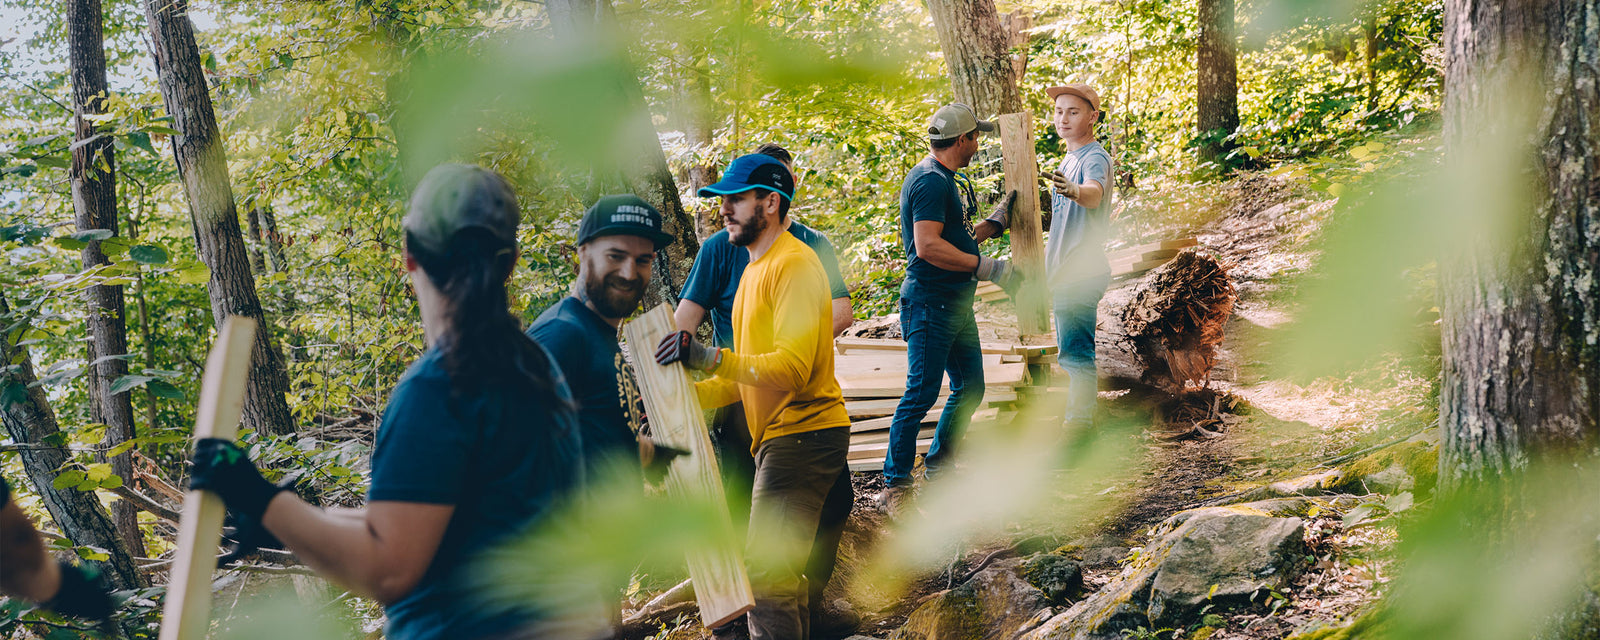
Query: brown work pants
[794,477]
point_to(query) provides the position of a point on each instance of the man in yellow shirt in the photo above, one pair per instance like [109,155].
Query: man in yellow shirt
[781,368]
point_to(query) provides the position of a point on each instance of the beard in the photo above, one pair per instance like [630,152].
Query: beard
[613,296]
[749,231]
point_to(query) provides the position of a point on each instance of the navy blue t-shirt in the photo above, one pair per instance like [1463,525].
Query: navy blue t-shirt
[585,347]
[714,279]
[504,460]
[931,193]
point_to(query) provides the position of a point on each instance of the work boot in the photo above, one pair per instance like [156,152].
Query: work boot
[834,620]
[736,630]
[894,500]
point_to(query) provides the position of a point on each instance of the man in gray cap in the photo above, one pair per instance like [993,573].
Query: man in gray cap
[943,266]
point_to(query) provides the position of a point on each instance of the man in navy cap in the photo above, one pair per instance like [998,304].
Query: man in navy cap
[781,369]
[617,243]
[711,285]
[943,267]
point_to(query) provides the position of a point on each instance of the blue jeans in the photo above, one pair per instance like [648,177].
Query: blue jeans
[941,338]
[1074,305]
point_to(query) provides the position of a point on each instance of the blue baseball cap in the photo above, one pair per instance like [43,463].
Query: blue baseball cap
[750,172]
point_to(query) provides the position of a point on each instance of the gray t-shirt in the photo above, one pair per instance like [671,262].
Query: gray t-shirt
[1076,249]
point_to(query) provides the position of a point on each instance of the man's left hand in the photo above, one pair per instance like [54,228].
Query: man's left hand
[1002,212]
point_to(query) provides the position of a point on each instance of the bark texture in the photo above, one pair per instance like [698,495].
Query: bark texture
[202,164]
[1216,79]
[1521,318]
[977,49]
[29,420]
[640,168]
[94,198]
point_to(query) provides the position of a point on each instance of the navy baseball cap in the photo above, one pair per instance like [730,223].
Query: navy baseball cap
[752,171]
[623,215]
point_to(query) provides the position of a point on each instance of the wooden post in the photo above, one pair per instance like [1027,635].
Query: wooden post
[1027,240]
[187,614]
[721,586]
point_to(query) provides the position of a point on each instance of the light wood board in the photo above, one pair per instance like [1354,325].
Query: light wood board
[187,612]
[1021,168]
[721,585]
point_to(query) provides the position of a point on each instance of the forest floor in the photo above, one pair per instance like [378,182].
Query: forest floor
[1281,427]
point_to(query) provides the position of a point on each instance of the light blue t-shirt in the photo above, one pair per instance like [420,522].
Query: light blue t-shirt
[1077,246]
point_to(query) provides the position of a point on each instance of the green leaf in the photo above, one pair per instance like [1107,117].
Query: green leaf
[148,254]
[22,170]
[67,478]
[90,235]
[1399,502]
[92,553]
[59,161]
[112,482]
[163,389]
[128,382]
[195,273]
[115,246]
[166,131]
[141,140]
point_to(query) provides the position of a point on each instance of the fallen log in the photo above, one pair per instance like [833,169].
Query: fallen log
[1175,320]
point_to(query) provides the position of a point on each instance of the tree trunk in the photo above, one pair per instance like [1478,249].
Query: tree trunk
[258,261]
[29,420]
[203,166]
[1216,80]
[641,169]
[977,50]
[695,98]
[1521,316]
[94,197]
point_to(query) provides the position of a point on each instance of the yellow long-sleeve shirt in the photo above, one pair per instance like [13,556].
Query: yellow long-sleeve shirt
[781,364]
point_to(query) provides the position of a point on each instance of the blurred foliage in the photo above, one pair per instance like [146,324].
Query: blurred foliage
[327,108]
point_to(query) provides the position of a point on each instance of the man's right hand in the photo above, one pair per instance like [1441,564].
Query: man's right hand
[1000,272]
[81,595]
[680,346]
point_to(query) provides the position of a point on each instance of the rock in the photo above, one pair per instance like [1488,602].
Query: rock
[1099,551]
[1409,466]
[1058,576]
[995,603]
[1235,550]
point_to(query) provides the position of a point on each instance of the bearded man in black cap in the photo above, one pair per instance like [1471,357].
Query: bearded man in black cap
[617,243]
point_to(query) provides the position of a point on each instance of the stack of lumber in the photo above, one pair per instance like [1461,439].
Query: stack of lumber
[872,374]
[1125,263]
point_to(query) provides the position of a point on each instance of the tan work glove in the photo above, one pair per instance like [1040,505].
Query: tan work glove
[1067,188]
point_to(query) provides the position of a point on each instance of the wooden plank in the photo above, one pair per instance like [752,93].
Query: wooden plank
[722,588]
[187,612]
[888,385]
[879,407]
[882,424]
[844,346]
[1021,168]
[879,450]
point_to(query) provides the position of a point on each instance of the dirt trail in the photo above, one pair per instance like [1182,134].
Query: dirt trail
[1261,236]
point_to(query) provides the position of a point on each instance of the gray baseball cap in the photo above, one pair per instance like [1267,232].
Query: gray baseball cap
[454,197]
[955,120]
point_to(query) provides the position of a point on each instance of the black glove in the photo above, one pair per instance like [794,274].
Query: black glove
[680,346]
[244,537]
[1002,212]
[656,459]
[82,594]
[222,467]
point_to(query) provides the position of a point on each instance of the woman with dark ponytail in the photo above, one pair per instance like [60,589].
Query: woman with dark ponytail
[479,442]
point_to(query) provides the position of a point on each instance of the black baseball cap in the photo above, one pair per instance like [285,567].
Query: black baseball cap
[623,215]
[751,171]
[455,197]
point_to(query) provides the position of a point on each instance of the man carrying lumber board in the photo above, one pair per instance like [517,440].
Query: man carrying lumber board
[1075,257]
[781,368]
[943,265]
[478,444]
[712,284]
[617,243]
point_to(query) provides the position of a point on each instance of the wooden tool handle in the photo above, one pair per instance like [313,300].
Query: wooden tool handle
[187,613]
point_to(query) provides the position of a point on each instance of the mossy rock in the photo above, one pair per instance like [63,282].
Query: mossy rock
[1058,576]
[1381,471]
